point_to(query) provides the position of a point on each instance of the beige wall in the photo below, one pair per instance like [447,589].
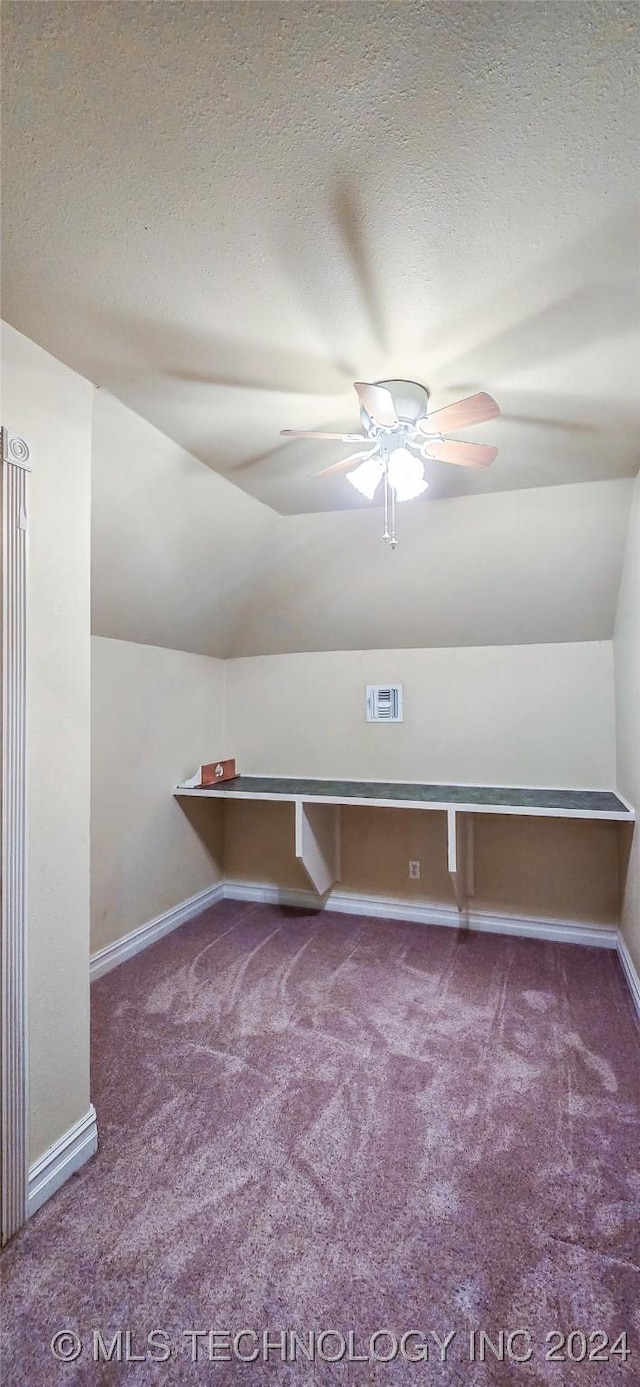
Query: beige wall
[156,714]
[506,715]
[51,407]
[550,868]
[627,686]
[522,715]
[499,715]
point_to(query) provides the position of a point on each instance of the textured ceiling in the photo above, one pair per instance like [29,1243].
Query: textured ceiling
[226,213]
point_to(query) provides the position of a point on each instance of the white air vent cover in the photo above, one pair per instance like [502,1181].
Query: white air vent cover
[384,702]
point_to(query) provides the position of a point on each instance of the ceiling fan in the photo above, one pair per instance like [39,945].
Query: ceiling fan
[400,433]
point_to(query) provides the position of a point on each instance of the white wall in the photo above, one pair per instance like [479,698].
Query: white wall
[50,406]
[505,715]
[156,714]
[626,647]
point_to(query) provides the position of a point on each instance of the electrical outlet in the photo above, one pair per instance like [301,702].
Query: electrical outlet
[414,870]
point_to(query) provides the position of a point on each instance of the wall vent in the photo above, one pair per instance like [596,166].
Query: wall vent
[384,703]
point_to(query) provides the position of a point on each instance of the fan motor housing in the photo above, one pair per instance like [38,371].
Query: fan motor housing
[409,397]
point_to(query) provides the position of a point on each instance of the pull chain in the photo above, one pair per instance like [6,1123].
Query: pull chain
[389,538]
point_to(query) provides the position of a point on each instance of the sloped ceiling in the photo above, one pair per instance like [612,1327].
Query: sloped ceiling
[510,569]
[224,213]
[176,551]
[184,559]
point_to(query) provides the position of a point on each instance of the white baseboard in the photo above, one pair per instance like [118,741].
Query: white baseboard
[562,931]
[133,943]
[629,969]
[527,926]
[62,1159]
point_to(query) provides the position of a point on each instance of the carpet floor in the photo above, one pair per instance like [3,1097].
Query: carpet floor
[314,1122]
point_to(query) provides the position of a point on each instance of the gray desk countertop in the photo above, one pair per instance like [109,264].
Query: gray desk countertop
[585,801]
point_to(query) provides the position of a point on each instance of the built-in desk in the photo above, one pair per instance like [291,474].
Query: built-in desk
[317,814]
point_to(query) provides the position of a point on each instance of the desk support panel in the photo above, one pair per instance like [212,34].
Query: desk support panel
[318,843]
[460,859]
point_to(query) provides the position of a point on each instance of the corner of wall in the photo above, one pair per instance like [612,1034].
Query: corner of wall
[626,649]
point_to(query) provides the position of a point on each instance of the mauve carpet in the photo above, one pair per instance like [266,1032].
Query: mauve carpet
[316,1122]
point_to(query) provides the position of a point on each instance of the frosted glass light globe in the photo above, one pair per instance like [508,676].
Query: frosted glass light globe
[406,475]
[367,477]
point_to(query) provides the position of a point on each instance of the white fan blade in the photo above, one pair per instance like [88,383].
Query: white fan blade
[312,433]
[378,402]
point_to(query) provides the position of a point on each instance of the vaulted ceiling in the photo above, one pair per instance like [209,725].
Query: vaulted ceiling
[226,213]
[183,558]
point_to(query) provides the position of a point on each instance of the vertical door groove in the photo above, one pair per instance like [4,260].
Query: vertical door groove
[13,1109]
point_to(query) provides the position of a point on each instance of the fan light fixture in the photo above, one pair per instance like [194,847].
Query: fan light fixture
[367,477]
[406,475]
[403,476]
[404,471]
[403,433]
